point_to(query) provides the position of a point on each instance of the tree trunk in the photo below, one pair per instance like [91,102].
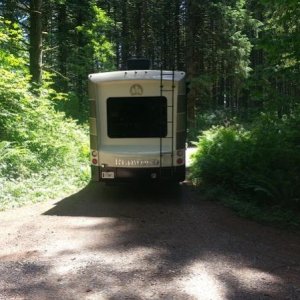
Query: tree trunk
[190,59]
[35,39]
[62,46]
[80,56]
[124,38]
[139,29]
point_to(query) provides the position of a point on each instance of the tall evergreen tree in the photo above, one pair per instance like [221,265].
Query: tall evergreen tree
[36,41]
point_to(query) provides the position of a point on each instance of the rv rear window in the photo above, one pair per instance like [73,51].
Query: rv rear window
[137,117]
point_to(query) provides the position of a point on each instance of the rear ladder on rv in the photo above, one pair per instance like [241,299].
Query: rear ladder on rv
[166,92]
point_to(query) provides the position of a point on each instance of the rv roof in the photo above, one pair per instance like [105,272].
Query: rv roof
[136,75]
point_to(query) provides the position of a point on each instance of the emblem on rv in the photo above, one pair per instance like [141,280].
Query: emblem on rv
[136,90]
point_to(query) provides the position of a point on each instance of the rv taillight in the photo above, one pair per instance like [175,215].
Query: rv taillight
[94,161]
[94,153]
[179,161]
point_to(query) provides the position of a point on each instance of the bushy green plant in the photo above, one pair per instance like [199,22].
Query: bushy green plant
[207,119]
[42,153]
[11,55]
[221,153]
[31,125]
[262,162]
[40,149]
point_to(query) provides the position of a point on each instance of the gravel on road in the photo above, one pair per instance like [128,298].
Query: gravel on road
[143,242]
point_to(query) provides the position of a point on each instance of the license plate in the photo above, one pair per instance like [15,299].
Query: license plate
[108,175]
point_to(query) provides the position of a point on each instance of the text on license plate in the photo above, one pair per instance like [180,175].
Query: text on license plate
[108,175]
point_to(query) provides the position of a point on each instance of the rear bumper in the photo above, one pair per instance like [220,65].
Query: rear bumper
[139,174]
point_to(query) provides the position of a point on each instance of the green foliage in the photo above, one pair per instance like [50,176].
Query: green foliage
[94,51]
[36,141]
[11,56]
[41,186]
[222,46]
[283,21]
[40,150]
[220,154]
[208,119]
[80,39]
[238,46]
[262,163]
[96,30]
[275,80]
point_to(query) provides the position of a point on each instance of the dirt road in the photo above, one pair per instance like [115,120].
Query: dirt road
[142,242]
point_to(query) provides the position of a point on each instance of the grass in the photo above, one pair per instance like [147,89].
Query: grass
[57,183]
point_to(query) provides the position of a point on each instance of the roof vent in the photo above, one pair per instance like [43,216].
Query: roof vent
[138,64]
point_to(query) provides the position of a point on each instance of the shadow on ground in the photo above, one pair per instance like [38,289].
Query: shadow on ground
[100,200]
[163,242]
[238,258]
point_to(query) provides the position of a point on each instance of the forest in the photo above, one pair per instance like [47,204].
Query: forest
[242,59]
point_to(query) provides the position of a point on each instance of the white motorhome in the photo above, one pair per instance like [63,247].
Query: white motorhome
[138,125]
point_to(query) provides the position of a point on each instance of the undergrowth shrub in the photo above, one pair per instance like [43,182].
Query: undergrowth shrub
[38,146]
[261,163]
[42,153]
[32,130]
[206,120]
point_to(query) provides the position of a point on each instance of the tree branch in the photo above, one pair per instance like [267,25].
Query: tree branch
[56,72]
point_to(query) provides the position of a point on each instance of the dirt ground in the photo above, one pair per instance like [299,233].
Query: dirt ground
[143,242]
